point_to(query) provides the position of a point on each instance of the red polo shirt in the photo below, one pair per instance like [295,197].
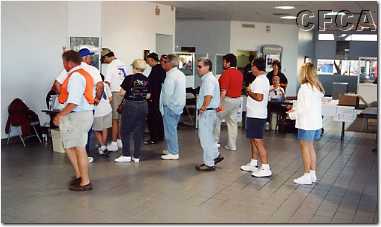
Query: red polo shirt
[231,80]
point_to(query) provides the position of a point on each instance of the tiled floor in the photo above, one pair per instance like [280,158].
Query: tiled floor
[34,186]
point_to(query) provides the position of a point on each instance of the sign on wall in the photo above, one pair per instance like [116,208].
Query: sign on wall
[91,43]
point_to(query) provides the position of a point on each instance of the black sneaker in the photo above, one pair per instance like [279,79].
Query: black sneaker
[218,159]
[204,167]
[74,180]
[79,188]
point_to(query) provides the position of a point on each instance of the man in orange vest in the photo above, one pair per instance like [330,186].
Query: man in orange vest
[76,118]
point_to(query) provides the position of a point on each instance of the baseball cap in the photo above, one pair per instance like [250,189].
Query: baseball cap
[85,52]
[105,51]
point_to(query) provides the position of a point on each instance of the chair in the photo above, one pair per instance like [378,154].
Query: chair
[16,131]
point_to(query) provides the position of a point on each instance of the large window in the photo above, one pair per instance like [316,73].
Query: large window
[365,68]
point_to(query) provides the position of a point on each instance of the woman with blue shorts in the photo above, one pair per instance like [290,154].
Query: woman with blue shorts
[307,112]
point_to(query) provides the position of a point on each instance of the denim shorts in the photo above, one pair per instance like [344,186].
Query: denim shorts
[309,135]
[255,128]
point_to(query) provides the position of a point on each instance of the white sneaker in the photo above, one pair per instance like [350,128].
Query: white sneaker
[91,159]
[119,143]
[262,173]
[136,160]
[123,159]
[164,152]
[305,179]
[101,149]
[313,178]
[249,168]
[170,157]
[230,148]
[113,146]
[218,145]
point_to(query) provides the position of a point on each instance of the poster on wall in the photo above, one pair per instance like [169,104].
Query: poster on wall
[91,43]
[271,53]
[270,58]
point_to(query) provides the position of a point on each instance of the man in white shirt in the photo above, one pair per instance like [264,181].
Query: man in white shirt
[86,65]
[172,102]
[76,118]
[115,74]
[86,56]
[258,93]
[208,101]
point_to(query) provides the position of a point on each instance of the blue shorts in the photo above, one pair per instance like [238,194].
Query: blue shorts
[255,128]
[309,135]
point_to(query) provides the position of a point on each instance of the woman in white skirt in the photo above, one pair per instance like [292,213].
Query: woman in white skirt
[103,118]
[308,120]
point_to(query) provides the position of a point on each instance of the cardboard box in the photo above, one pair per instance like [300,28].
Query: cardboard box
[349,100]
[57,142]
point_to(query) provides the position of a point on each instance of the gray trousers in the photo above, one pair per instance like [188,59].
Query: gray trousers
[229,114]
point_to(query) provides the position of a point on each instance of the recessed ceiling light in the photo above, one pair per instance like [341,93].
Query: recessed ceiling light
[284,7]
[288,17]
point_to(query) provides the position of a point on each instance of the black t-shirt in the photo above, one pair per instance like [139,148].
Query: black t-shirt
[283,78]
[156,79]
[136,87]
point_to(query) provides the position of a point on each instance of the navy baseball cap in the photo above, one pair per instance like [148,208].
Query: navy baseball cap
[85,52]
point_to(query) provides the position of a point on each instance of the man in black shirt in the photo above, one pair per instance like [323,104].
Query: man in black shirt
[156,79]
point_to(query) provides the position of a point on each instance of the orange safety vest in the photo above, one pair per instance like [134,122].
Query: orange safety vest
[89,96]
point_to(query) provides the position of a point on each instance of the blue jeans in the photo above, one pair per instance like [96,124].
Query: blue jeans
[171,119]
[133,124]
[207,123]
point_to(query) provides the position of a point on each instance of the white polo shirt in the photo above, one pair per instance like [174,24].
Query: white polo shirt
[255,109]
[115,74]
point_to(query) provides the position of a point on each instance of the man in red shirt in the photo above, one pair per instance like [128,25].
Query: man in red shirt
[230,82]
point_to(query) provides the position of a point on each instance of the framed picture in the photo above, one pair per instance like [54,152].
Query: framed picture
[91,43]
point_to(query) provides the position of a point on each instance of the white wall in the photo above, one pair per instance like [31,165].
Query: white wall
[281,34]
[209,37]
[128,28]
[84,26]
[33,34]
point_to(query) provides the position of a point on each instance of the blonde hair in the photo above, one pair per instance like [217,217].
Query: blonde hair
[139,65]
[308,75]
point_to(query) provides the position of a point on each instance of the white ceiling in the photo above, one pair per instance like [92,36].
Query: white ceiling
[260,11]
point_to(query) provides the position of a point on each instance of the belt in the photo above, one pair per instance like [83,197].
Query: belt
[207,109]
[233,97]
[136,101]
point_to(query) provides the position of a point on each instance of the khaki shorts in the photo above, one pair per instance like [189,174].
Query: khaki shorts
[103,122]
[116,100]
[74,128]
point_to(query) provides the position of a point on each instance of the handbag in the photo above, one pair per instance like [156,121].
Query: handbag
[121,105]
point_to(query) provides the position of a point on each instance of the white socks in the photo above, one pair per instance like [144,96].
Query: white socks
[265,166]
[254,162]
